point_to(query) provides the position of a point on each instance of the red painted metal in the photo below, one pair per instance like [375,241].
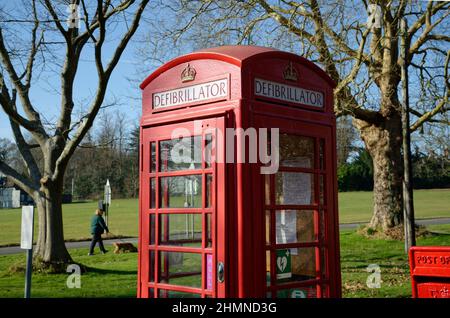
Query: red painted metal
[430,271]
[238,208]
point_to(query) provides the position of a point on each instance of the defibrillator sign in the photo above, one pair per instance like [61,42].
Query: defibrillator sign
[284,264]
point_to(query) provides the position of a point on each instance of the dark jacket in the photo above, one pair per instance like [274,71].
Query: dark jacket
[98,225]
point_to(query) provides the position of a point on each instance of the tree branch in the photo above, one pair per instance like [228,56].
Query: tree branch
[100,93]
[56,20]
[34,123]
[18,179]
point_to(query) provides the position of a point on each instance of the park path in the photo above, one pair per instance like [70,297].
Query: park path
[85,244]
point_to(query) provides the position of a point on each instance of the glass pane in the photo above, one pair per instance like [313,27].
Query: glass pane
[181,192]
[323,263]
[295,264]
[208,150]
[208,190]
[267,188]
[268,276]
[321,154]
[298,292]
[151,293]
[177,294]
[183,269]
[152,193]
[152,229]
[296,151]
[181,229]
[322,220]
[322,189]
[208,230]
[180,154]
[325,293]
[152,157]
[294,226]
[268,227]
[295,188]
[151,267]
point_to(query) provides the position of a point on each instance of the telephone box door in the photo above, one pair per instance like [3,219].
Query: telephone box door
[301,243]
[182,211]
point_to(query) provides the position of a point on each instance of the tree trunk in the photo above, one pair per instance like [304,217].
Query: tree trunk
[50,250]
[384,144]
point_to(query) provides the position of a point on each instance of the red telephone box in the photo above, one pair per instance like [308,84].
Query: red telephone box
[212,223]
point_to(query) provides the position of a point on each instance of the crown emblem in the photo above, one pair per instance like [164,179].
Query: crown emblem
[290,73]
[188,74]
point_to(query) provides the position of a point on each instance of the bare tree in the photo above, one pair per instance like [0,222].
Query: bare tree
[362,58]
[51,41]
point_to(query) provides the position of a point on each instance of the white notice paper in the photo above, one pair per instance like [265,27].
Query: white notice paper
[26,238]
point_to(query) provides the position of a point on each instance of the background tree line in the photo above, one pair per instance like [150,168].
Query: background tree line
[430,160]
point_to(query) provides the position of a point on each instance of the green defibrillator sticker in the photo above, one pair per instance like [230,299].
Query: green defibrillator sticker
[284,264]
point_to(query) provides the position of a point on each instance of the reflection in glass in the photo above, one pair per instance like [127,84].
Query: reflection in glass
[267,188]
[268,227]
[152,157]
[296,151]
[208,190]
[180,154]
[178,294]
[151,267]
[298,292]
[295,265]
[181,229]
[321,154]
[152,193]
[294,188]
[208,150]
[181,192]
[208,230]
[294,226]
[268,276]
[322,189]
[183,269]
[152,229]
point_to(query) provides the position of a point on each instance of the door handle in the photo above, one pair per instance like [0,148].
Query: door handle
[220,272]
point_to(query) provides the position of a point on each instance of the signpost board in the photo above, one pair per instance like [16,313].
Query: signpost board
[26,243]
[107,200]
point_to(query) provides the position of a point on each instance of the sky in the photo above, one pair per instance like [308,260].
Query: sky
[126,93]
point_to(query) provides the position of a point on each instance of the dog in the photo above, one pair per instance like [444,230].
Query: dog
[122,247]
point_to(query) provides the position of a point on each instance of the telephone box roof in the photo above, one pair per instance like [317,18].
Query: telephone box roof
[237,55]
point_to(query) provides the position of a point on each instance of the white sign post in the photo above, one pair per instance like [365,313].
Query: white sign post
[26,243]
[107,200]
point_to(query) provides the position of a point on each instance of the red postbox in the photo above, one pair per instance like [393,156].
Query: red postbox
[238,191]
[430,271]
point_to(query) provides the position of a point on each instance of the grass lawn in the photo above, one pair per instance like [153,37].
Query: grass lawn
[357,206]
[114,275]
[358,252]
[353,207]
[123,220]
[109,275]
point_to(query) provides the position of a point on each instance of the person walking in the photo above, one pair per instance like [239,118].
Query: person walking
[98,227]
